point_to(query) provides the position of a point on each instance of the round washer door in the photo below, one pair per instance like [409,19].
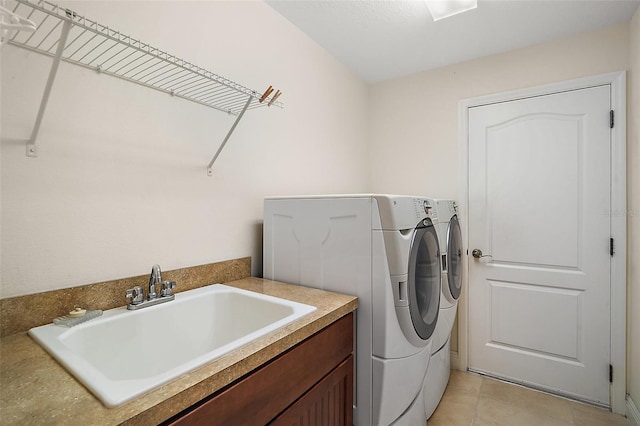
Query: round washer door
[454,256]
[424,279]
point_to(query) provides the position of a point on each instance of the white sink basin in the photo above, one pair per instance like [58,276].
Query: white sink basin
[123,353]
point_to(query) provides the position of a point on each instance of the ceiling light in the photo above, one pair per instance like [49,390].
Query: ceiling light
[444,8]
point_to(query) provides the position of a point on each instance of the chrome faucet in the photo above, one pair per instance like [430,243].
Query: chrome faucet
[136,294]
[155,278]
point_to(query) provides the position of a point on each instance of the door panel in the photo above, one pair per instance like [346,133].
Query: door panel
[517,170]
[539,302]
[424,280]
[454,256]
[516,306]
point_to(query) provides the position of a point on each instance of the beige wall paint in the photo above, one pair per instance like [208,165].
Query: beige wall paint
[414,120]
[633,209]
[120,183]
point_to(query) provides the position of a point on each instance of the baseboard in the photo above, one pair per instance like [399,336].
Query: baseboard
[633,415]
[456,363]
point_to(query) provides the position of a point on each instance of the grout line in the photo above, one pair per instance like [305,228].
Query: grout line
[475,414]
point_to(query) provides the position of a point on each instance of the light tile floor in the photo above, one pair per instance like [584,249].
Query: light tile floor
[474,400]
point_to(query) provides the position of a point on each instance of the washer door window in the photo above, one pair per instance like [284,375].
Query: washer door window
[454,256]
[424,279]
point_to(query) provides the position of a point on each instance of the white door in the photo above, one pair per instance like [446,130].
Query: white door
[539,193]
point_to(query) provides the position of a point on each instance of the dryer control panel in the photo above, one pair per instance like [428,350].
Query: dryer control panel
[446,209]
[404,212]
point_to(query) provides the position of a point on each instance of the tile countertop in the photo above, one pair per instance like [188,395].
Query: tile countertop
[35,389]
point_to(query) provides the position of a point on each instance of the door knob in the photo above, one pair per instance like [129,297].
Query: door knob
[477,253]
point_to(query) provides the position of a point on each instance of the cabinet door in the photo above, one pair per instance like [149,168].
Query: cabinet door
[261,396]
[328,403]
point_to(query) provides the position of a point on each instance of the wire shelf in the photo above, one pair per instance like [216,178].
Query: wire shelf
[66,36]
[101,48]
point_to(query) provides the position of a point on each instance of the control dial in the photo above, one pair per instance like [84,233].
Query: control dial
[427,207]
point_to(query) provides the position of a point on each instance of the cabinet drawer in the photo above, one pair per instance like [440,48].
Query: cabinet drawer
[261,396]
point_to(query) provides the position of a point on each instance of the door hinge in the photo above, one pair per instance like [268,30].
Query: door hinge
[612,249]
[610,373]
[611,119]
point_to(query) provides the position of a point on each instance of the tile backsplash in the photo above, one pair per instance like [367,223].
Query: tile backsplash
[19,314]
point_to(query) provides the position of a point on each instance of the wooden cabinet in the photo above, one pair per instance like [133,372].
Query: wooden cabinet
[310,384]
[329,402]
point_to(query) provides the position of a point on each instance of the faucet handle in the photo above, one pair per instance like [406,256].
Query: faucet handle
[167,288]
[136,295]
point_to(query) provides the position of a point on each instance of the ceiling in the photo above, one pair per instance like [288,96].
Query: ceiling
[384,39]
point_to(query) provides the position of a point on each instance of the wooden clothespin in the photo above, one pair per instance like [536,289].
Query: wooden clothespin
[278,93]
[266,94]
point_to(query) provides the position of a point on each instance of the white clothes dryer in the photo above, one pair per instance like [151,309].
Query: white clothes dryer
[385,250]
[450,238]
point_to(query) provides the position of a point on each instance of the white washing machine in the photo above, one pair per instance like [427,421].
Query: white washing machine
[450,238]
[385,250]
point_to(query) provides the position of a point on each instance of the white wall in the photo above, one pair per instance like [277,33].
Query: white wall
[633,208]
[120,182]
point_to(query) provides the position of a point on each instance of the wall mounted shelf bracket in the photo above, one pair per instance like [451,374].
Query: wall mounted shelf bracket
[226,138]
[32,149]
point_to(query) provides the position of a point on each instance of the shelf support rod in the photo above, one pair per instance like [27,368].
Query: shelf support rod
[32,150]
[224,142]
